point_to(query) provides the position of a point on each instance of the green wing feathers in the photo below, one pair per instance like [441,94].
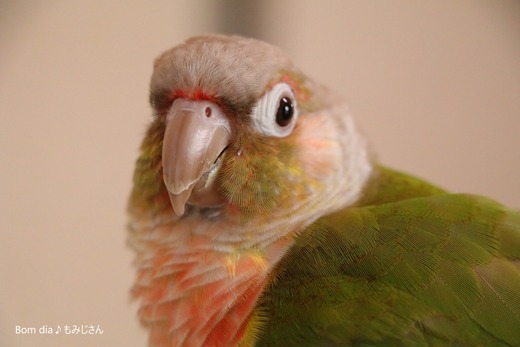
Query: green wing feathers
[433,270]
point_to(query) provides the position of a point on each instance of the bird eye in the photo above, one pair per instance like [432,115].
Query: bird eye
[285,112]
[276,112]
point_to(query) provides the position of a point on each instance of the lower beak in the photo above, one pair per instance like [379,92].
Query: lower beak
[197,133]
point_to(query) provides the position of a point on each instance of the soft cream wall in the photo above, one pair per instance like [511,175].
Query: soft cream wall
[435,86]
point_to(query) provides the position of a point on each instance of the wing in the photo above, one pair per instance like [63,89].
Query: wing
[435,270]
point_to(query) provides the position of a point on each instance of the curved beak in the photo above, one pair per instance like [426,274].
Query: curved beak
[197,133]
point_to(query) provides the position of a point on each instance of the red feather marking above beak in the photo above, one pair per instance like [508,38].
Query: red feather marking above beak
[195,94]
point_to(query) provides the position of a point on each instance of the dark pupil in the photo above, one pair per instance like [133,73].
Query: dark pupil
[285,112]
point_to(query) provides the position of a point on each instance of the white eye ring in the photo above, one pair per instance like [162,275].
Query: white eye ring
[265,112]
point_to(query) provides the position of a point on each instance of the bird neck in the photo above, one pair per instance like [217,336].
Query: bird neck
[198,287]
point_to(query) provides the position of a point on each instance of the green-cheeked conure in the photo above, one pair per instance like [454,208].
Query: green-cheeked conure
[260,218]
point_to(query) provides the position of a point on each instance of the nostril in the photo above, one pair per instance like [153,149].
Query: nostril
[208,112]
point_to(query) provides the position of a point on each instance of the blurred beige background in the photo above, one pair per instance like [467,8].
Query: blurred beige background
[435,87]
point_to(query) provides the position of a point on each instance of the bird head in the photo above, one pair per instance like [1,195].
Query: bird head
[239,130]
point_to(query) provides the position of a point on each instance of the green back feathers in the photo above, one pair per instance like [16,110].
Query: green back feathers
[432,270]
[387,185]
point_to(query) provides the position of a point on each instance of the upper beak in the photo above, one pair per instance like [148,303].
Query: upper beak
[197,133]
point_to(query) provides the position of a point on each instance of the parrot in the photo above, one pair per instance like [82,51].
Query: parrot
[260,216]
